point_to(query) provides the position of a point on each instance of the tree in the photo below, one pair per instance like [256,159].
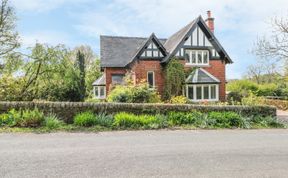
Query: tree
[81,67]
[9,38]
[275,47]
[174,79]
[92,66]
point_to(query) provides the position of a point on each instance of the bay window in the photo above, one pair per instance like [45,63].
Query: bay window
[202,92]
[197,57]
[100,92]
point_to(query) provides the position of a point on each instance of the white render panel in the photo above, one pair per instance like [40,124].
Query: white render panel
[188,41]
[194,36]
[200,37]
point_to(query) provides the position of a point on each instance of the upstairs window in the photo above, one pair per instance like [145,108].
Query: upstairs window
[197,57]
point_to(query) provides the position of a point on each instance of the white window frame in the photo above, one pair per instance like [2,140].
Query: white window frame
[153,79]
[202,92]
[97,94]
[189,52]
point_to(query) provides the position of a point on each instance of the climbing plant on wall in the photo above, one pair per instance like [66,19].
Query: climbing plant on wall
[174,79]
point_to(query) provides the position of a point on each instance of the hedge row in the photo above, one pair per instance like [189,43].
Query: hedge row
[279,104]
[67,110]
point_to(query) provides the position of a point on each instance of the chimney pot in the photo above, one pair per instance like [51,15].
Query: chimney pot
[210,21]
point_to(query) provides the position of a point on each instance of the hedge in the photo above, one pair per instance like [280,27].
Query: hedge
[67,110]
[279,104]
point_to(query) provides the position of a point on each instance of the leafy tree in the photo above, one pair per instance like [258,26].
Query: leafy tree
[174,79]
[81,67]
[9,38]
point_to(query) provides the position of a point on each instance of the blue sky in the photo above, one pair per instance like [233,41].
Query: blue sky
[238,23]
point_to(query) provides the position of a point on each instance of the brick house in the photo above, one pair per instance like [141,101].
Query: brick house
[145,58]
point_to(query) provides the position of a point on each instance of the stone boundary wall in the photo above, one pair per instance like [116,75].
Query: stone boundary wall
[66,110]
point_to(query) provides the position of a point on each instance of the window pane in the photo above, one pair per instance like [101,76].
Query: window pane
[96,91]
[198,92]
[213,92]
[102,92]
[148,53]
[190,92]
[206,92]
[155,53]
[117,78]
[199,57]
[205,57]
[187,57]
[150,79]
[193,57]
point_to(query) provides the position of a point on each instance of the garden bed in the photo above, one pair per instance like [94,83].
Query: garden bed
[67,110]
[25,120]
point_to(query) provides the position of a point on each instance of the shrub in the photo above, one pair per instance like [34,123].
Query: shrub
[85,119]
[30,118]
[52,122]
[131,93]
[178,100]
[252,100]
[234,97]
[266,122]
[120,94]
[9,119]
[141,93]
[243,87]
[104,120]
[127,120]
[225,119]
[183,118]
[267,90]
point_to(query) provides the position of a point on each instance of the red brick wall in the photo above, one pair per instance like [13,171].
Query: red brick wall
[141,67]
[218,70]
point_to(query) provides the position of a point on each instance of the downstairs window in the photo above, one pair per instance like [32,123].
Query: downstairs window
[100,92]
[205,92]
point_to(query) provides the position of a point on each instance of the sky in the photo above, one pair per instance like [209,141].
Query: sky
[238,23]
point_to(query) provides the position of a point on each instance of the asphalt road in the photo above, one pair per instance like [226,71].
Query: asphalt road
[204,153]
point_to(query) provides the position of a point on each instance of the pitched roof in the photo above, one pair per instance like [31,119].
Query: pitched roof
[200,75]
[172,44]
[119,51]
[173,41]
[100,81]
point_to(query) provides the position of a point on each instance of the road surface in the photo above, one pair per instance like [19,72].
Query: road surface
[164,153]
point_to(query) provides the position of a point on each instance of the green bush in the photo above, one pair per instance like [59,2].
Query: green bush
[131,93]
[85,119]
[179,100]
[127,120]
[266,122]
[9,119]
[104,120]
[225,119]
[30,118]
[234,97]
[52,122]
[183,118]
[243,87]
[120,94]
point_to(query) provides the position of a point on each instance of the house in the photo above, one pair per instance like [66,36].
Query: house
[195,45]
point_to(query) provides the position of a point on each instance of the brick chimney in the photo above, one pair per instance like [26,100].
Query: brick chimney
[210,21]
